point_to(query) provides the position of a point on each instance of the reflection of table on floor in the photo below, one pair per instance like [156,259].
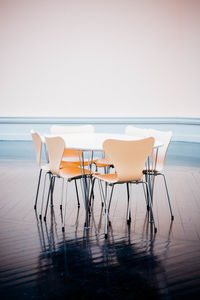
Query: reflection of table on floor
[91,142]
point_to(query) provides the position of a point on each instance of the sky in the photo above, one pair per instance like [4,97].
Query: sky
[100,58]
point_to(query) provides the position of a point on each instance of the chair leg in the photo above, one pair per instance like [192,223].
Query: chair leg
[169,202]
[92,192]
[145,195]
[38,187]
[62,194]
[106,211]
[128,205]
[151,207]
[52,190]
[77,193]
[63,225]
[50,187]
[40,216]
[101,193]
[110,198]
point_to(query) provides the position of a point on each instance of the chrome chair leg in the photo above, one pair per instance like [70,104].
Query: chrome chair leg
[151,207]
[65,205]
[38,187]
[169,202]
[40,216]
[77,193]
[62,194]
[110,197]
[128,204]
[49,192]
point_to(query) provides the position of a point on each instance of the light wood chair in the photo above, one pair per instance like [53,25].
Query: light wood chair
[68,173]
[128,158]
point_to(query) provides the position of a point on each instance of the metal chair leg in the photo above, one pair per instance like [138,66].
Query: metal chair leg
[169,202]
[106,211]
[77,193]
[38,187]
[40,216]
[151,207]
[62,194]
[63,225]
[110,198]
[128,205]
[50,187]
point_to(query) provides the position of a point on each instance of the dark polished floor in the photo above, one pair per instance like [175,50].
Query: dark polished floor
[38,261]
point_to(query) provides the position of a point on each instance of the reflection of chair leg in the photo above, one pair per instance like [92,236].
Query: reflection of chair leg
[77,193]
[38,187]
[169,202]
[63,225]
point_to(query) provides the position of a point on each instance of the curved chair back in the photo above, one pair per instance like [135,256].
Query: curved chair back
[137,132]
[165,138]
[129,157]
[55,148]
[58,129]
[38,146]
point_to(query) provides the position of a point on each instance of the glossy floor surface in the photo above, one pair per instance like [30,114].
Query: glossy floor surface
[38,261]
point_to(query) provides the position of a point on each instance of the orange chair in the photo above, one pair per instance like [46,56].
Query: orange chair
[68,173]
[128,158]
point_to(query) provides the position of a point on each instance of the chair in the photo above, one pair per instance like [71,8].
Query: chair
[158,159]
[43,168]
[128,158]
[72,155]
[37,140]
[68,173]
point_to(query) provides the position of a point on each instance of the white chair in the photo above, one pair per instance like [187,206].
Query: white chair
[141,133]
[43,168]
[159,157]
[129,158]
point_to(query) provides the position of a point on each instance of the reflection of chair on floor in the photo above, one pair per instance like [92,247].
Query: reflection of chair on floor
[129,158]
[158,158]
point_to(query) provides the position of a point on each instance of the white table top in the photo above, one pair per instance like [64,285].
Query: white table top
[94,141]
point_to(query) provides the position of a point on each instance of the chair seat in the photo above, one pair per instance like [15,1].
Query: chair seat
[70,172]
[110,178]
[103,162]
[76,162]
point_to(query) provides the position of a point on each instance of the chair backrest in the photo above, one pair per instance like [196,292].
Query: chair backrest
[58,129]
[55,148]
[165,138]
[137,132]
[38,146]
[129,157]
